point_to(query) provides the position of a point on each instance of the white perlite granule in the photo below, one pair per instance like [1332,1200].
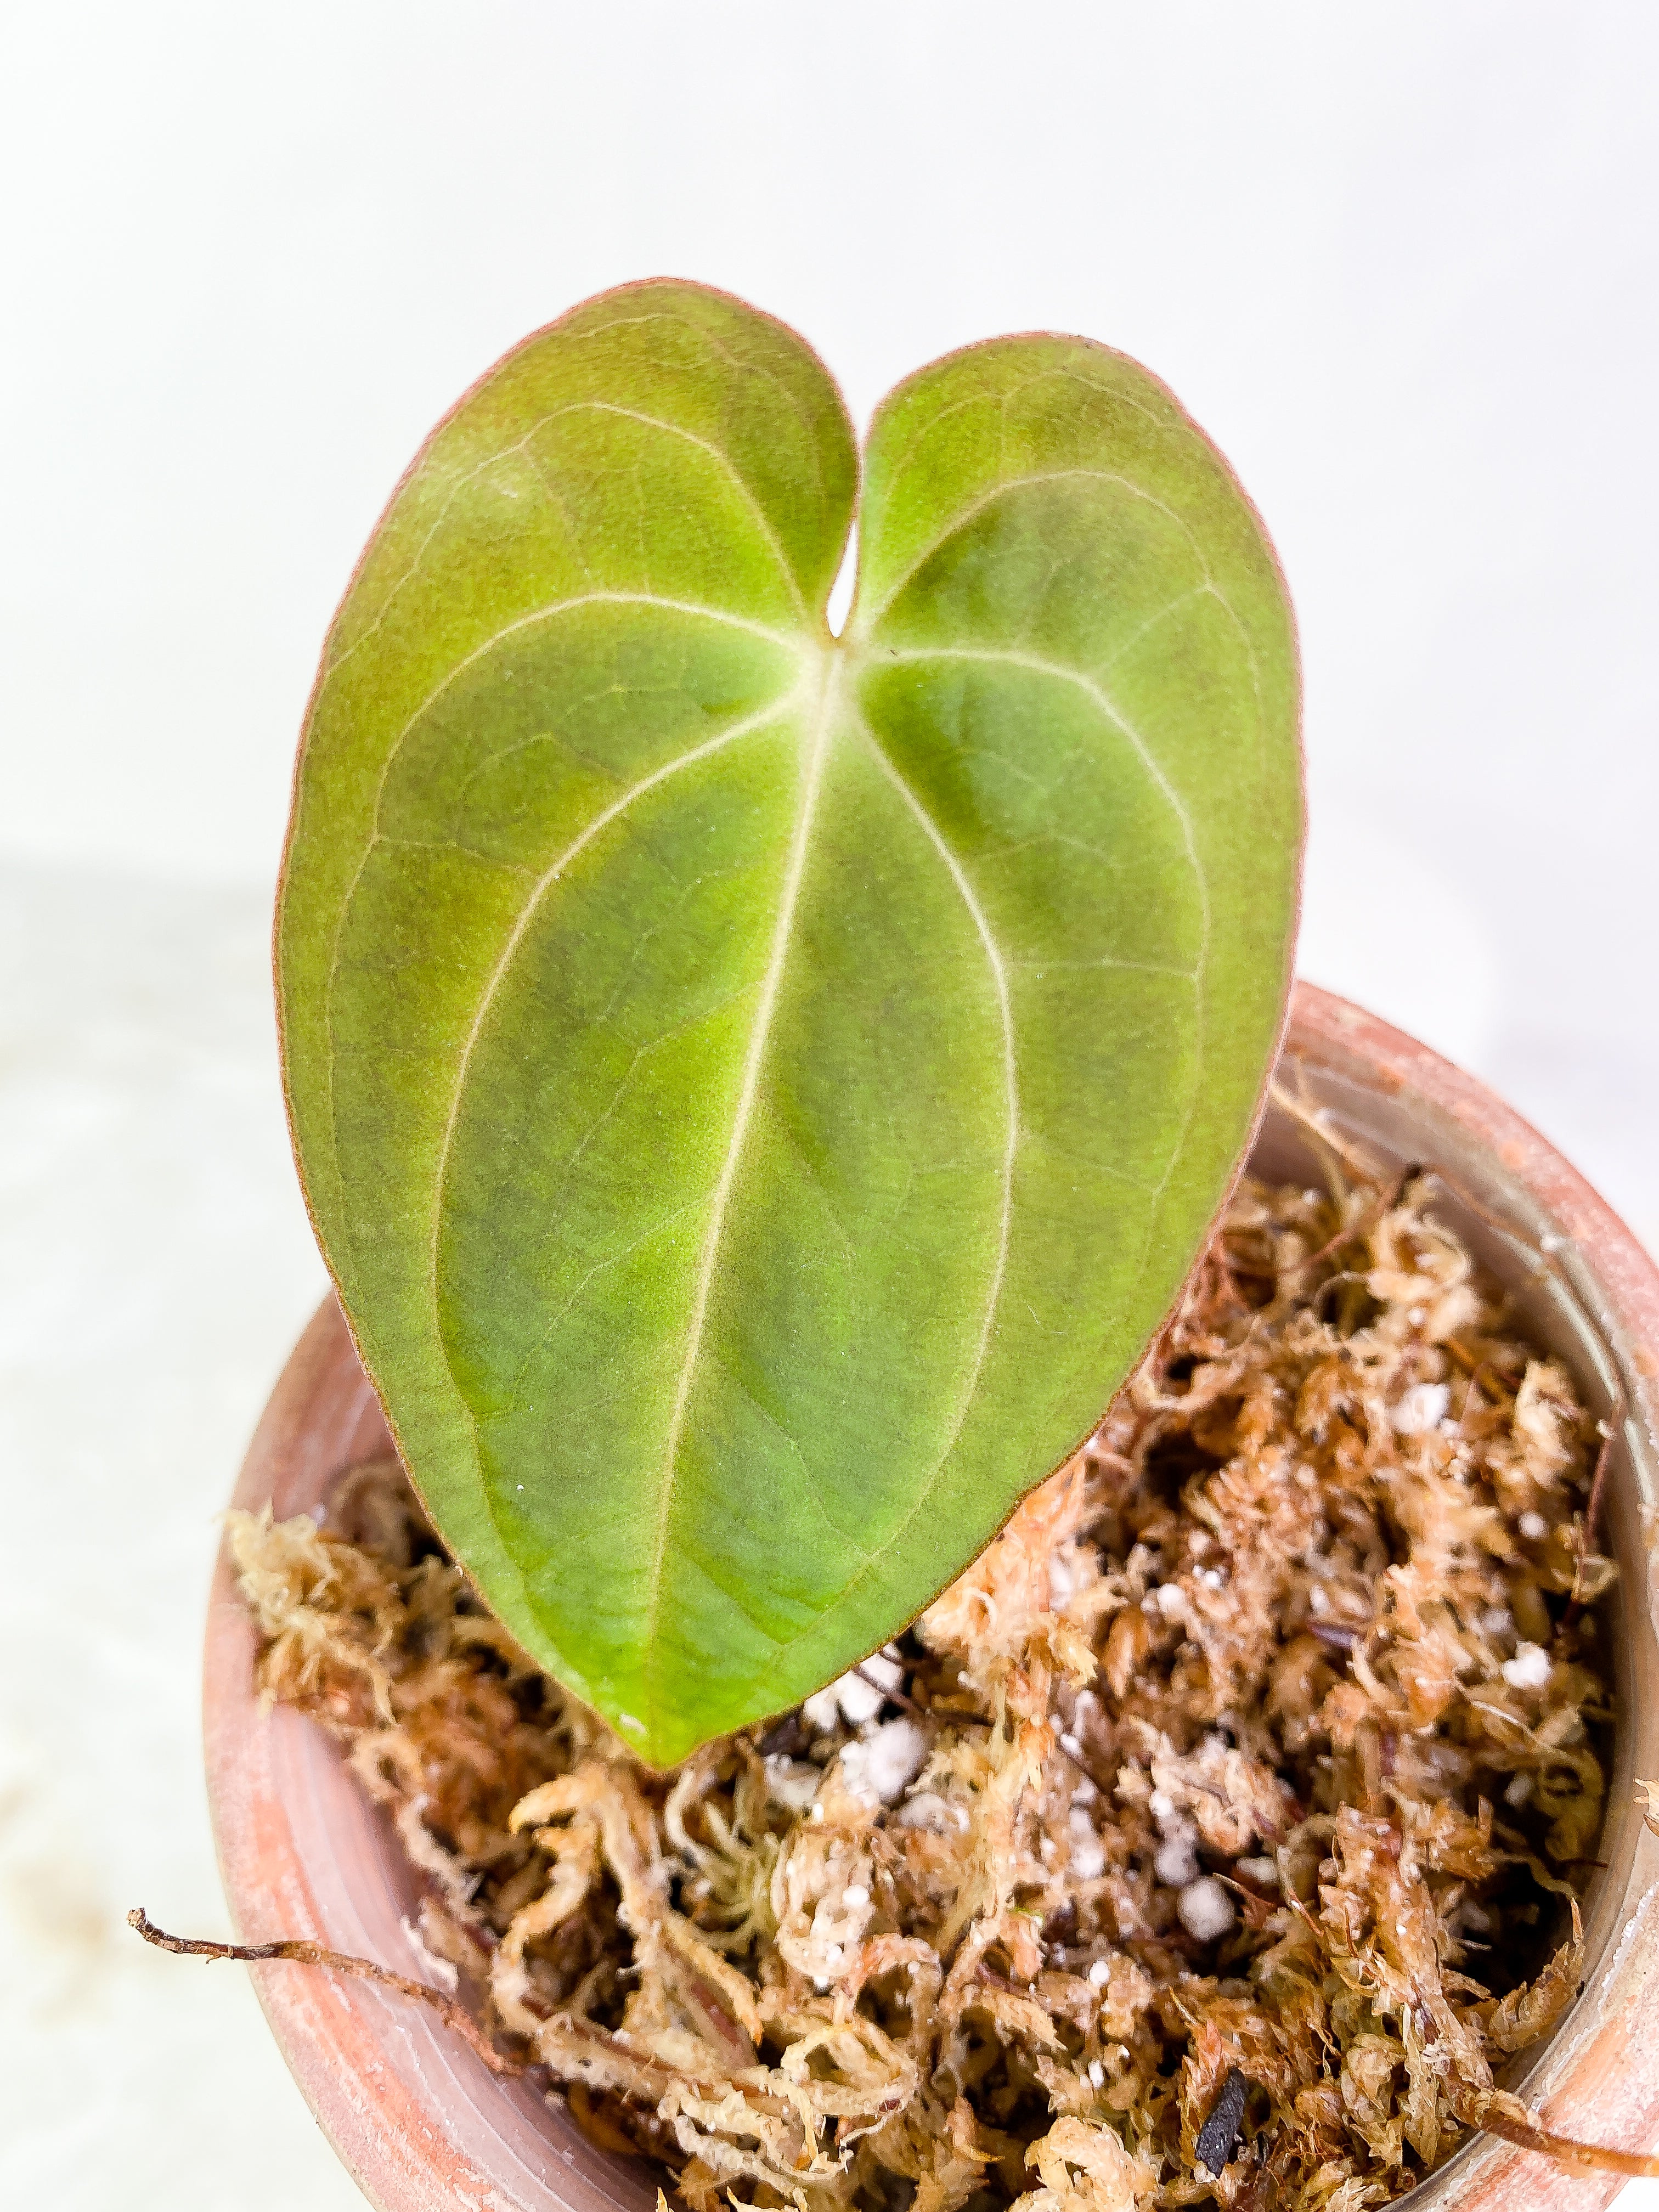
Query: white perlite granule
[1420,1409]
[1529,1669]
[1205,1909]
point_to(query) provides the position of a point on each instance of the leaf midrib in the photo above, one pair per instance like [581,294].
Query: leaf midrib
[831,664]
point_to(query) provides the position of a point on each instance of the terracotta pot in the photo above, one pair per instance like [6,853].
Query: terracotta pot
[421,2123]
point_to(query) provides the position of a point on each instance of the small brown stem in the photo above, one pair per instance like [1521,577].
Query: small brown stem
[1587,1531]
[1353,1231]
[1471,1392]
[1476,1368]
[897,1697]
[453,2013]
[1335,1635]
[1610,1428]
[1594,2158]
[1363,1169]
[1076,1767]
[1258,1910]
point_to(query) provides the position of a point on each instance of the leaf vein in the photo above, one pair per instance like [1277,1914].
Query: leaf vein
[774,544]
[996,656]
[963,516]
[1011,1072]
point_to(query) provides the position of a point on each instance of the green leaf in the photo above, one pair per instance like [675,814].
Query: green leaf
[758,1092]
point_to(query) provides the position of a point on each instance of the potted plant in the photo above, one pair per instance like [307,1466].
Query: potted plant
[759,1092]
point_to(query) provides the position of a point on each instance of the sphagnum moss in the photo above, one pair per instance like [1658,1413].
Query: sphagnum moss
[1212,1819]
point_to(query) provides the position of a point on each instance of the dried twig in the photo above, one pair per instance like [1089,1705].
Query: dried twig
[1586,1546]
[1594,2158]
[1317,1120]
[896,1696]
[1610,1426]
[453,2013]
[1355,1231]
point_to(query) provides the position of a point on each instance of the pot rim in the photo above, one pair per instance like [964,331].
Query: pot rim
[420,2124]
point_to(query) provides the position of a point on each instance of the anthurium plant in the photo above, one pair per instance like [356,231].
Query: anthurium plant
[758,1089]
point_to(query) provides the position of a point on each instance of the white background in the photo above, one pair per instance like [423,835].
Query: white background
[1398,260]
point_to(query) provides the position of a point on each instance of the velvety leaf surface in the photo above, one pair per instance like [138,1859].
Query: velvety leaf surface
[757,1092]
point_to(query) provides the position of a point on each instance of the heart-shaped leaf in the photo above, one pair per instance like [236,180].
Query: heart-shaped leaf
[756,1092]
